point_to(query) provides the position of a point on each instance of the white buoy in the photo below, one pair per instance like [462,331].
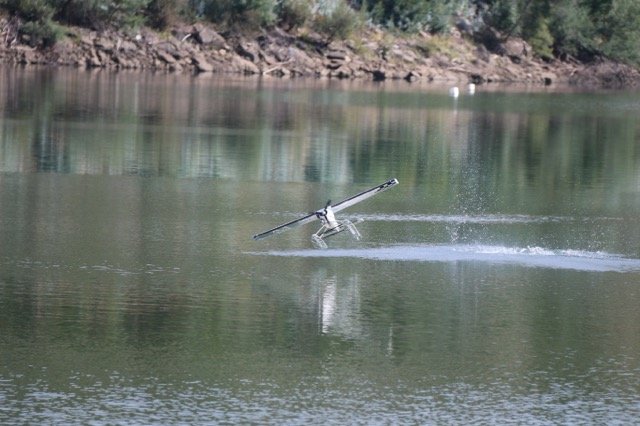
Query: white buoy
[454,92]
[471,88]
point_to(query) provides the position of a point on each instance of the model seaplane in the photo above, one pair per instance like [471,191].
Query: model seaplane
[330,225]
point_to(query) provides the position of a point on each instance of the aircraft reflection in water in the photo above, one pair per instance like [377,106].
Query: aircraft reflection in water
[330,225]
[339,310]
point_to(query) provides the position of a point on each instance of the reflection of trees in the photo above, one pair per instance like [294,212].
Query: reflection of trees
[518,145]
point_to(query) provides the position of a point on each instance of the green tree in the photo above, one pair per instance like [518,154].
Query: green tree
[30,10]
[620,31]
[100,14]
[573,31]
[293,13]
[402,14]
[534,18]
[250,12]
[410,15]
[589,28]
[162,13]
[501,15]
[337,22]
[38,28]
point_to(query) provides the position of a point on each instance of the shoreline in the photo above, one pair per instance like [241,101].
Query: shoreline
[375,56]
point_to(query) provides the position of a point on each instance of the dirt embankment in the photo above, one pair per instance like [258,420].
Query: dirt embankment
[372,54]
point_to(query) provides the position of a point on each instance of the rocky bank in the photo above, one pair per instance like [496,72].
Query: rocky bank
[372,54]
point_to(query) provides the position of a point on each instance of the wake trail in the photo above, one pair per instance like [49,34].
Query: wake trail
[540,257]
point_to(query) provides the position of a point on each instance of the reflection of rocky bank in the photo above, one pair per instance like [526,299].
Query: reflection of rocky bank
[375,56]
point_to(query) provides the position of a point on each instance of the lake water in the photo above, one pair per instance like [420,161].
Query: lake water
[498,283]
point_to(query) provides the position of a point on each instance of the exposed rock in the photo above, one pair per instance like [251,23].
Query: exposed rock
[412,76]
[128,46]
[86,39]
[244,66]
[516,50]
[337,55]
[169,47]
[124,63]
[27,56]
[164,56]
[208,37]
[282,54]
[249,50]
[103,57]
[268,59]
[175,67]
[341,72]
[93,61]
[104,43]
[375,56]
[606,74]
[201,63]
[334,65]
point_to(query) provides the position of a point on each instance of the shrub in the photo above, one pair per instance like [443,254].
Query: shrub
[406,15]
[437,45]
[99,14]
[338,22]
[163,13]
[541,40]
[411,15]
[40,33]
[82,13]
[502,15]
[30,10]
[293,13]
[37,28]
[573,31]
[247,12]
[619,29]
[440,13]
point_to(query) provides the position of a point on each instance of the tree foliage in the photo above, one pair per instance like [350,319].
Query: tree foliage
[254,13]
[163,13]
[583,29]
[99,14]
[336,22]
[620,30]
[410,15]
[573,31]
[293,13]
[38,28]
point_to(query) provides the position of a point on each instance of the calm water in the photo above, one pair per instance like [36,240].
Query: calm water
[498,283]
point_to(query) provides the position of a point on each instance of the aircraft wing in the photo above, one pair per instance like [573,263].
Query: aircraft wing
[336,208]
[281,228]
[364,195]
